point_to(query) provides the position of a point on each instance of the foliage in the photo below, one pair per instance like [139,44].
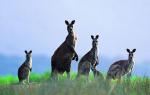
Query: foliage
[42,85]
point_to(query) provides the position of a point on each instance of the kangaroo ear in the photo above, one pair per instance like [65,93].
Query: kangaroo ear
[67,23]
[128,50]
[97,36]
[30,51]
[133,50]
[73,22]
[26,51]
[92,37]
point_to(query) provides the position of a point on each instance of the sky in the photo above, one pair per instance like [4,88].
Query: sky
[39,25]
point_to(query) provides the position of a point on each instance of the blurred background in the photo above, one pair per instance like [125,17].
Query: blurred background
[38,25]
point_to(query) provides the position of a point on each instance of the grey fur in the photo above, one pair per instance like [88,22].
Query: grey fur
[25,69]
[65,53]
[89,60]
[122,67]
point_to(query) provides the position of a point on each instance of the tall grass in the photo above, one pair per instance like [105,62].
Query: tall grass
[33,78]
[42,85]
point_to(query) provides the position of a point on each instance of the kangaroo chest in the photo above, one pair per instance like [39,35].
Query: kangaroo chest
[129,66]
[92,57]
[94,54]
[28,64]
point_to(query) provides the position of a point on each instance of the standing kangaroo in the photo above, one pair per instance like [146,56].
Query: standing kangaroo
[62,57]
[89,60]
[122,67]
[25,69]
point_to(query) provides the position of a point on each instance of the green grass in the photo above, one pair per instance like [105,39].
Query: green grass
[42,85]
[13,79]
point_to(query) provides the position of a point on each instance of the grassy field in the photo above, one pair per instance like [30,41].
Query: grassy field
[42,85]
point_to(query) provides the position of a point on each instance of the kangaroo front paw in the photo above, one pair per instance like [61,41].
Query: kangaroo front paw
[77,58]
[73,58]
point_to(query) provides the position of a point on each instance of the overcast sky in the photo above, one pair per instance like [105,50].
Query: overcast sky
[39,25]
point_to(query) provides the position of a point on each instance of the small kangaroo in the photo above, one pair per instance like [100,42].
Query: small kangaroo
[89,60]
[122,67]
[25,69]
[65,53]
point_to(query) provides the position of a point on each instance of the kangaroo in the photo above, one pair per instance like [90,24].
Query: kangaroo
[65,53]
[25,69]
[122,67]
[89,60]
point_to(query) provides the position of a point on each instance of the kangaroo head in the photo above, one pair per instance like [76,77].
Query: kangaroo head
[94,40]
[131,53]
[71,34]
[70,26]
[28,54]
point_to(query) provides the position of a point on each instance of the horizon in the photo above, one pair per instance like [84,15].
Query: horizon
[39,26]
[41,64]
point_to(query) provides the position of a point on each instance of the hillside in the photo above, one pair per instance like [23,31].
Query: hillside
[10,64]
